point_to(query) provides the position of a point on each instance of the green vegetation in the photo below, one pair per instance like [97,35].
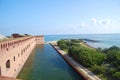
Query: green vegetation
[88,60]
[113,62]
[65,44]
[102,62]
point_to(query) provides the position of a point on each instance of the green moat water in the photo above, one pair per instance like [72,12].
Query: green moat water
[45,63]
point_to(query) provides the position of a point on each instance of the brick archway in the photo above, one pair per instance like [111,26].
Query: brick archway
[8,64]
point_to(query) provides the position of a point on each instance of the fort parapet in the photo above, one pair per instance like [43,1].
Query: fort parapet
[39,39]
[15,52]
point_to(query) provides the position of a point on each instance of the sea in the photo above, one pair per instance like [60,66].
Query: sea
[100,40]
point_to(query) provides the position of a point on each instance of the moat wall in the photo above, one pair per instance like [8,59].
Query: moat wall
[15,52]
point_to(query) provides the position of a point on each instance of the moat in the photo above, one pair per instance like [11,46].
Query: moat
[45,63]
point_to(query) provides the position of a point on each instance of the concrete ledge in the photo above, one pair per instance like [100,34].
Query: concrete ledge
[82,71]
[8,78]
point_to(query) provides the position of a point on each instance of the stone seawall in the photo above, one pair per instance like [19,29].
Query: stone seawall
[14,53]
[8,78]
[82,71]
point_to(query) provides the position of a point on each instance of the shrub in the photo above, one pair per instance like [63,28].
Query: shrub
[116,76]
[98,69]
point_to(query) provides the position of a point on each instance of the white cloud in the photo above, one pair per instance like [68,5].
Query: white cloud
[101,21]
[104,21]
[94,20]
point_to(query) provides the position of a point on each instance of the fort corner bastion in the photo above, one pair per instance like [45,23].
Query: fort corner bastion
[14,53]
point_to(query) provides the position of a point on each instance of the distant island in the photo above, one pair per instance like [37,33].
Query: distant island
[84,40]
[89,40]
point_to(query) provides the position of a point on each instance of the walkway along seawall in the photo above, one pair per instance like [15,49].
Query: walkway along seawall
[82,71]
[15,52]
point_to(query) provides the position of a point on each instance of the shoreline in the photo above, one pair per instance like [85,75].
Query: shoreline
[51,42]
[85,43]
[82,71]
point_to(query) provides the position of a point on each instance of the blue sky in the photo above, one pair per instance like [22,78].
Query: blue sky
[59,16]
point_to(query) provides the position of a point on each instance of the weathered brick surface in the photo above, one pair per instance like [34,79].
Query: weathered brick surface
[15,52]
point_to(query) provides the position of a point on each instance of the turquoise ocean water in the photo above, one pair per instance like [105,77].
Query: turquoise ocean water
[104,40]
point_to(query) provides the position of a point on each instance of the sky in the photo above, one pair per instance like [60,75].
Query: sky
[50,17]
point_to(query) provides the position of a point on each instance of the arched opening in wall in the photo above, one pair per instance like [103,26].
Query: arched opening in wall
[14,58]
[8,64]
[18,55]
[1,46]
[21,52]
[0,70]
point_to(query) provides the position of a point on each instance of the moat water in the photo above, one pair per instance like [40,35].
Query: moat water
[46,64]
